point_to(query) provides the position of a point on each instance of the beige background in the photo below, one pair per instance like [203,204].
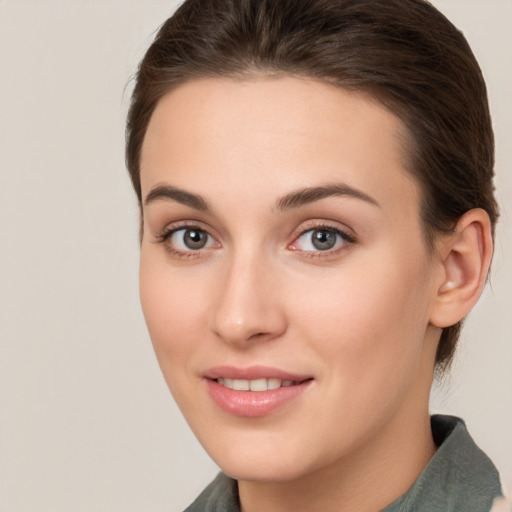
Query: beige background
[86,422]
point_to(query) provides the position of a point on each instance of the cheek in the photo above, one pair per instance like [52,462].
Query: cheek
[366,332]
[171,304]
[369,319]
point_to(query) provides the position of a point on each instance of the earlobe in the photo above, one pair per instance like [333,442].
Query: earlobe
[465,260]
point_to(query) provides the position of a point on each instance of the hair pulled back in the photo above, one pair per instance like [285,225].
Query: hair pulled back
[404,53]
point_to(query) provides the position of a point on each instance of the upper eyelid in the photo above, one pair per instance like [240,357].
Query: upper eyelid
[325,224]
[347,239]
[185,224]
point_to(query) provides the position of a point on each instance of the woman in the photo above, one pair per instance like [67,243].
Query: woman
[317,214]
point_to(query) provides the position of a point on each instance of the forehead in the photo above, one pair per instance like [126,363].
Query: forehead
[273,134]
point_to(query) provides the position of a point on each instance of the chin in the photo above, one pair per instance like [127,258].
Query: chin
[268,471]
[264,459]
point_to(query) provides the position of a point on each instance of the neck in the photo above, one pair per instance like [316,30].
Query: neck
[364,481]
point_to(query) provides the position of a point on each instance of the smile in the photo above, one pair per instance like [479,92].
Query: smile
[255,384]
[256,391]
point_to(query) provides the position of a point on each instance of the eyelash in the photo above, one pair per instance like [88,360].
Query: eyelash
[168,232]
[346,239]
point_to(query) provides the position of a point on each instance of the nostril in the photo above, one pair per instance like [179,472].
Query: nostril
[258,335]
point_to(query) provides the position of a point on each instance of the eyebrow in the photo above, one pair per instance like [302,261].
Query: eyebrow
[292,200]
[176,194]
[311,194]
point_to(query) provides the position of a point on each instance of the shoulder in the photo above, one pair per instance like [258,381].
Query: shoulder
[460,476]
[221,495]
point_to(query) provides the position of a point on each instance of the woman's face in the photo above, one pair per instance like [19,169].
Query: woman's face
[284,276]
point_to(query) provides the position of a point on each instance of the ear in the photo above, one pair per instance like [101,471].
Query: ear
[465,257]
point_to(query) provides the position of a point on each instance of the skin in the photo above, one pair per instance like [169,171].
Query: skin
[363,319]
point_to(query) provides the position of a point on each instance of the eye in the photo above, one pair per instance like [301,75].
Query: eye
[189,239]
[321,239]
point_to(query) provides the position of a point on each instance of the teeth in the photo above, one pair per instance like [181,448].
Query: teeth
[273,383]
[255,384]
[241,385]
[258,385]
[227,382]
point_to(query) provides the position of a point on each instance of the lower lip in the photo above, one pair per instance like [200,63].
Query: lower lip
[253,403]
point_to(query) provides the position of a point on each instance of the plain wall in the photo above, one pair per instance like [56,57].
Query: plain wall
[86,421]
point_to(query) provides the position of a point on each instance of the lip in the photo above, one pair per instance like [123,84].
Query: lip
[251,373]
[253,403]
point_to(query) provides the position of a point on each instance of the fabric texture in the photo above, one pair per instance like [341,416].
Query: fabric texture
[459,478]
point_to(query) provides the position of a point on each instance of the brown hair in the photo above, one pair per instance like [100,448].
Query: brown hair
[404,53]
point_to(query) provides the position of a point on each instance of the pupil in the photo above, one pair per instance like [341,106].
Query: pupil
[324,240]
[195,239]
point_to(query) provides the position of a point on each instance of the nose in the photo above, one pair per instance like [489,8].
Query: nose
[248,306]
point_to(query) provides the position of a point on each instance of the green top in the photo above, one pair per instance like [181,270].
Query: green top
[459,478]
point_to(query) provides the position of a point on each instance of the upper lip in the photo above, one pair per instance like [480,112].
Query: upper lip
[252,373]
